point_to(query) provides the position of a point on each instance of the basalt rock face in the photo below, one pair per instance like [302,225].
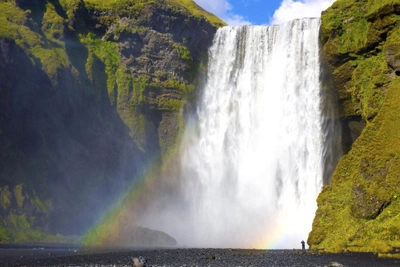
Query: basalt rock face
[91,92]
[359,210]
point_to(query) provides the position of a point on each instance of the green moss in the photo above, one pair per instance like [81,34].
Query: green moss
[354,38]
[11,19]
[393,43]
[170,104]
[131,89]
[107,52]
[373,164]
[19,222]
[369,79]
[52,23]
[53,60]
[5,235]
[389,255]
[134,94]
[347,108]
[196,11]
[349,27]
[178,85]
[346,20]
[127,29]
[131,7]
[14,23]
[140,84]
[19,195]
[39,204]
[134,8]
[16,226]
[379,7]
[70,6]
[5,197]
[184,53]
[17,229]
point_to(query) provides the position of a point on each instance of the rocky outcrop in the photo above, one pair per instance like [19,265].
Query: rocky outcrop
[91,92]
[161,62]
[358,211]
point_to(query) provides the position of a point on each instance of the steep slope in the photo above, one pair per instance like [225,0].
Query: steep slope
[359,211]
[91,92]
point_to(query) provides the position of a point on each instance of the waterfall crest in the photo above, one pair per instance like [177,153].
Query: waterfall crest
[253,159]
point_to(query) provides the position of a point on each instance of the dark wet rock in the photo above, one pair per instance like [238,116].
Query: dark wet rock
[367,206]
[392,55]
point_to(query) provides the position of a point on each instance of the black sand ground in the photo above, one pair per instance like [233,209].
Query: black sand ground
[186,257]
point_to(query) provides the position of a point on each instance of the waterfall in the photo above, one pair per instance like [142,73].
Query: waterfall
[253,158]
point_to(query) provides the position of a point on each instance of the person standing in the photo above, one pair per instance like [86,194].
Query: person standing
[303,245]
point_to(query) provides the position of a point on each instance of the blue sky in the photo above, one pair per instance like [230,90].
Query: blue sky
[263,12]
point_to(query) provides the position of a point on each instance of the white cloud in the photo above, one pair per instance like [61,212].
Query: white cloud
[223,10]
[290,9]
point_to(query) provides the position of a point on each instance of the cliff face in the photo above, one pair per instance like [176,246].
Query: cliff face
[359,211]
[91,92]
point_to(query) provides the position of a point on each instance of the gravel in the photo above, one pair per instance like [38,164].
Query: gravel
[188,258]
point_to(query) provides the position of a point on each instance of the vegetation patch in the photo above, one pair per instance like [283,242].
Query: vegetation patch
[107,52]
[84,41]
[373,164]
[196,11]
[369,80]
[359,211]
[52,23]
[5,197]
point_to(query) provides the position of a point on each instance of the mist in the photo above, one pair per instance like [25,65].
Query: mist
[254,155]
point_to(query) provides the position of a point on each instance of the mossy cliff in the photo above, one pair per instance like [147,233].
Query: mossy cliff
[91,92]
[360,210]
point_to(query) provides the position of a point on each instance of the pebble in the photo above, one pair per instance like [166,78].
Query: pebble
[203,258]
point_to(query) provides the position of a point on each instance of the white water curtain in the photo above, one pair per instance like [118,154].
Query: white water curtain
[252,160]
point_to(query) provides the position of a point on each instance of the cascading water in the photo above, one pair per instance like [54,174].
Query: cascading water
[253,160]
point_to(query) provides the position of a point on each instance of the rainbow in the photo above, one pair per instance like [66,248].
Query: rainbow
[110,225]
[123,216]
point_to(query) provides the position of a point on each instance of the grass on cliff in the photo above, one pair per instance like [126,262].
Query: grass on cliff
[107,52]
[43,42]
[354,34]
[43,49]
[350,23]
[369,79]
[136,7]
[375,7]
[336,18]
[197,11]
[16,227]
[360,211]
[373,164]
